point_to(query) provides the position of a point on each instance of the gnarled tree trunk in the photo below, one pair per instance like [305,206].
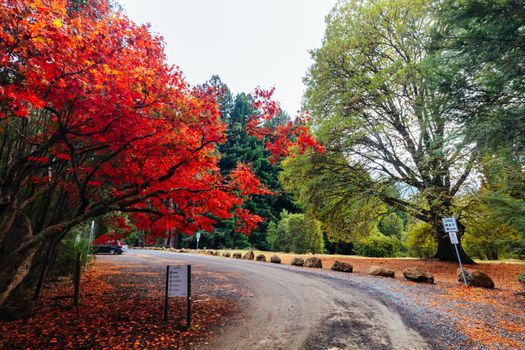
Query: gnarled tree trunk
[17,268]
[445,249]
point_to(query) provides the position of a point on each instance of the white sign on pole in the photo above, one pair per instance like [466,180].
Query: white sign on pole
[453,237]
[198,235]
[178,281]
[450,225]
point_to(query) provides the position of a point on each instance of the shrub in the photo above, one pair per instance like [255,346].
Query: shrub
[420,241]
[486,239]
[295,233]
[378,246]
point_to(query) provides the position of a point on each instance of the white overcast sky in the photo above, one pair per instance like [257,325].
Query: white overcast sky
[248,43]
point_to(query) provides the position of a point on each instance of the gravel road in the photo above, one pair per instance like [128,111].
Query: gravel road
[297,308]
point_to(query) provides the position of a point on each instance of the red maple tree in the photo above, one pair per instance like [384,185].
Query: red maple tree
[94,121]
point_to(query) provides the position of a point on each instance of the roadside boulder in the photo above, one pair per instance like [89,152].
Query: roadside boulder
[182,251]
[260,257]
[298,261]
[418,275]
[275,259]
[381,271]
[313,262]
[226,254]
[342,266]
[249,256]
[476,278]
[237,255]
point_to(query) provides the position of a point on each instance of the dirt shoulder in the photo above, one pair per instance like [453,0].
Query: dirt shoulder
[504,274]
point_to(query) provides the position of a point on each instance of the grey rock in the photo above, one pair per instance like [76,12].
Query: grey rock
[342,266]
[381,271]
[313,262]
[418,275]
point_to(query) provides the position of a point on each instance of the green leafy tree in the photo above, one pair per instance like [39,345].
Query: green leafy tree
[391,224]
[295,233]
[370,95]
[279,235]
[495,214]
[329,190]
[503,190]
[419,240]
[478,47]
[306,233]
[222,237]
[378,246]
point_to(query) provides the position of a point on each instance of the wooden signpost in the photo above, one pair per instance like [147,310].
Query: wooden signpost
[178,284]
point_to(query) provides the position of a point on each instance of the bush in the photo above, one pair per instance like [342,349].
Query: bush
[378,247]
[295,233]
[420,241]
[486,239]
[517,250]
[278,237]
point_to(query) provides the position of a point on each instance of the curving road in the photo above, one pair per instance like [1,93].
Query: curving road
[297,308]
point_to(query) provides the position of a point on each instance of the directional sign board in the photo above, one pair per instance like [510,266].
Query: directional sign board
[178,281]
[450,225]
[178,284]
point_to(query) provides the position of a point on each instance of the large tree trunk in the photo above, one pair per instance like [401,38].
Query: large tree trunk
[174,238]
[17,268]
[445,250]
[43,272]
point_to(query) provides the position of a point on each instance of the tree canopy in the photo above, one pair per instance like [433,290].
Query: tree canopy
[371,96]
[95,121]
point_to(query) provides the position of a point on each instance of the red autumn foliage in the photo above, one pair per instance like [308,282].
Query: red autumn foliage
[115,128]
[281,139]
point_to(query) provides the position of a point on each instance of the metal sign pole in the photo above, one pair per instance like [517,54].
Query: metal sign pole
[451,227]
[198,236]
[460,264]
[91,230]
[188,316]
[166,299]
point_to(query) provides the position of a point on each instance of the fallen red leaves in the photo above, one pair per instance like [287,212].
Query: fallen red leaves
[121,307]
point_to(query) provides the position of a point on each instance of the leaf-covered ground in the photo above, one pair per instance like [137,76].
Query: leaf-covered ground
[122,307]
[487,319]
[122,303]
